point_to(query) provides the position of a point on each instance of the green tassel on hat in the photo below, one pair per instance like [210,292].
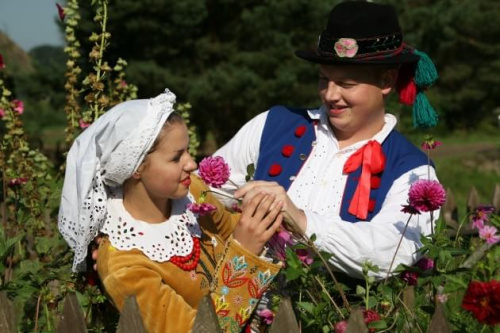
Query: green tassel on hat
[425,73]
[424,115]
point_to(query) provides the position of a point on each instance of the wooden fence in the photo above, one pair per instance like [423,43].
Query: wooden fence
[72,318]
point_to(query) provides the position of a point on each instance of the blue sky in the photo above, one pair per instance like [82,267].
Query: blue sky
[30,23]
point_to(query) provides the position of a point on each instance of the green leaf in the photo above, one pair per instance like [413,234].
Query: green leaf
[307,306]
[250,172]
[292,274]
[360,290]
[377,324]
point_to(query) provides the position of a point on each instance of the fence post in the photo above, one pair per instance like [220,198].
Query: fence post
[206,320]
[439,324]
[285,320]
[130,317]
[72,319]
[356,322]
[473,200]
[7,314]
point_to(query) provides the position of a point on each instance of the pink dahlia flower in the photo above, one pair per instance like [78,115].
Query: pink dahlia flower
[201,209]
[427,195]
[214,171]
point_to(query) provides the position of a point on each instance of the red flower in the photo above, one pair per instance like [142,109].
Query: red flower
[425,264]
[2,64]
[201,209]
[409,277]
[275,170]
[299,131]
[369,316]
[2,113]
[16,182]
[83,124]
[287,150]
[214,171]
[18,106]
[60,11]
[429,143]
[341,327]
[427,195]
[481,215]
[483,300]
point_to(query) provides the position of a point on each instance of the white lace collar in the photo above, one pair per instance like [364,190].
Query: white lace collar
[158,241]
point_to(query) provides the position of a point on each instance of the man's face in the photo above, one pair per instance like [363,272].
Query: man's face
[353,97]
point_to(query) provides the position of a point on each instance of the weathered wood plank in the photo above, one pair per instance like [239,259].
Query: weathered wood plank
[473,200]
[439,324]
[285,320]
[206,320]
[130,317]
[356,322]
[7,314]
[495,200]
[72,319]
[409,298]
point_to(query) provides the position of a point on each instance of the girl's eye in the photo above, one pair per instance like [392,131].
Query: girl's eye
[176,158]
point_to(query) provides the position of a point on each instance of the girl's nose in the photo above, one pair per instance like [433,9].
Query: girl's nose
[332,92]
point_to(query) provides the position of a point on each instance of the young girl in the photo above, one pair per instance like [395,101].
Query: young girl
[129,177]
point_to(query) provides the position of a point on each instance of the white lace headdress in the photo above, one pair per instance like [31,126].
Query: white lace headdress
[106,153]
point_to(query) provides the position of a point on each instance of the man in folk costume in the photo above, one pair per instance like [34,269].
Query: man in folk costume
[342,169]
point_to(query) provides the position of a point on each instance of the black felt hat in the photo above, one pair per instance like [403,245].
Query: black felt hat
[361,33]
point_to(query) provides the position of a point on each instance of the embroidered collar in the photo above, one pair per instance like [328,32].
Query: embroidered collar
[158,241]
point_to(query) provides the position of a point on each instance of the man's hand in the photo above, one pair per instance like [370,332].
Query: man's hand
[294,217]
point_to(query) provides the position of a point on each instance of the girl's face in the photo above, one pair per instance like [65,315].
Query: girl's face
[353,97]
[165,172]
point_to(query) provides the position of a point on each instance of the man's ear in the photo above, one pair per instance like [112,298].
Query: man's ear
[389,79]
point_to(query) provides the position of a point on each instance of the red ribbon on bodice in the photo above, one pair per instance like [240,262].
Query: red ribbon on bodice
[372,159]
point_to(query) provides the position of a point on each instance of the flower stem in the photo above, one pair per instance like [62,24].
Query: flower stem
[397,248]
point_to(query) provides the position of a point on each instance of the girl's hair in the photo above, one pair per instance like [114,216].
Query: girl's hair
[174,118]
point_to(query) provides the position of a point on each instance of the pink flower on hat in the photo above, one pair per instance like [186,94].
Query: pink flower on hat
[346,47]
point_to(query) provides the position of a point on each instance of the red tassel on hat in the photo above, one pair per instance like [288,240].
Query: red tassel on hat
[405,86]
[408,93]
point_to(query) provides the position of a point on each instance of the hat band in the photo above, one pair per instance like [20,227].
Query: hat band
[365,48]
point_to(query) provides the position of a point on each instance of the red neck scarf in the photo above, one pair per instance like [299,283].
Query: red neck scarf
[372,159]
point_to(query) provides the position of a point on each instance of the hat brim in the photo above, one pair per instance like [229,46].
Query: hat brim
[402,58]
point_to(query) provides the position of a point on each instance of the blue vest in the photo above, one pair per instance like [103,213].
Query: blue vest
[287,141]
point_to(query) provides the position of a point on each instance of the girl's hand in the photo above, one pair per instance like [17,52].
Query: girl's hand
[295,218]
[258,222]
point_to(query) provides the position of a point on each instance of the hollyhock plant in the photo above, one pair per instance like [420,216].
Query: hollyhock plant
[426,195]
[201,209]
[488,233]
[83,124]
[2,63]
[18,106]
[304,256]
[16,182]
[279,241]
[2,113]
[60,12]
[483,300]
[214,171]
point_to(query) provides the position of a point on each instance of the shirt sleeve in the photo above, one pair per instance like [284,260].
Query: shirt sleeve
[353,244]
[239,281]
[239,152]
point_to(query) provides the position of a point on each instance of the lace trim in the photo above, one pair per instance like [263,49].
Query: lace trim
[158,241]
